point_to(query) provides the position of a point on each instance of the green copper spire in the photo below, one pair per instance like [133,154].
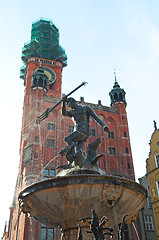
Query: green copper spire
[44,44]
[117,94]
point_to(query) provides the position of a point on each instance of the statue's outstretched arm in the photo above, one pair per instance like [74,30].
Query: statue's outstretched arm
[98,120]
[64,112]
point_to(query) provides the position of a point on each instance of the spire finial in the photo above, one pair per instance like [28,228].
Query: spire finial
[155,125]
[115,75]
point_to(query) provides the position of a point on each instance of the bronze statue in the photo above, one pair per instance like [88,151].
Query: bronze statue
[76,140]
[97,226]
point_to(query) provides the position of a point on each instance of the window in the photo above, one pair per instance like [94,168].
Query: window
[129,167]
[125,232]
[110,134]
[148,223]
[124,134]
[71,129]
[115,96]
[157,183]
[50,143]
[127,151]
[28,151]
[92,132]
[35,155]
[51,126]
[153,193]
[157,160]
[49,173]
[149,202]
[112,151]
[36,139]
[47,233]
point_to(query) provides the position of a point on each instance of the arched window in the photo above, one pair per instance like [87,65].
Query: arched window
[120,96]
[40,82]
[35,81]
[115,96]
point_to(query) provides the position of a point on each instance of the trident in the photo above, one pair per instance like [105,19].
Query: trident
[48,110]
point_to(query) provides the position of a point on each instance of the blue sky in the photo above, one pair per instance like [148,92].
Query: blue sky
[98,36]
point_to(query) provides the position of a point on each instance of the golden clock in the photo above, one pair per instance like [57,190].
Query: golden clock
[50,73]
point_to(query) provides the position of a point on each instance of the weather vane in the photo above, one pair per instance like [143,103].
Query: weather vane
[115,74]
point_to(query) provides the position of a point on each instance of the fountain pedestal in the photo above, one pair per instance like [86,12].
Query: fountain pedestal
[61,201]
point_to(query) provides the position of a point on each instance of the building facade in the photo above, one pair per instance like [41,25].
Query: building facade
[41,142]
[147,222]
[152,166]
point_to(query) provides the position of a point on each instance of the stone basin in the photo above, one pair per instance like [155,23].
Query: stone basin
[60,201]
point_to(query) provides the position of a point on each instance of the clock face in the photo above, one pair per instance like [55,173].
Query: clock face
[50,73]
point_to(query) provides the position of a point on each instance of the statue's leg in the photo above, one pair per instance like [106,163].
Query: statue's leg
[71,139]
[80,145]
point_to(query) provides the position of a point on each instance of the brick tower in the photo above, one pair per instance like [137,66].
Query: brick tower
[41,143]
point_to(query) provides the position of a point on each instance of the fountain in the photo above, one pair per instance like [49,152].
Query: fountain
[67,200]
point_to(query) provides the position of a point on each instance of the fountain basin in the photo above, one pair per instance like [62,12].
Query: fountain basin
[60,201]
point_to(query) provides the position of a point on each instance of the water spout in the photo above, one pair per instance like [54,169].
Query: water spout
[135,230]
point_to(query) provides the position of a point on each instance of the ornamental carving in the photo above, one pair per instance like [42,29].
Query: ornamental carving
[111,193]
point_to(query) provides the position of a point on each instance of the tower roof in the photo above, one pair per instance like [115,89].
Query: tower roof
[44,43]
[117,94]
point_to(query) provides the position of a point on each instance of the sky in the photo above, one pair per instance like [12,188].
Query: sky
[98,37]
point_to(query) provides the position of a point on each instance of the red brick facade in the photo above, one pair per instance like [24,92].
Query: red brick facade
[41,143]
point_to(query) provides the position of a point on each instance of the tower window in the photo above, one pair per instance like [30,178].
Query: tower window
[46,233]
[51,126]
[35,81]
[115,96]
[124,134]
[50,143]
[40,82]
[112,151]
[148,223]
[120,96]
[129,166]
[110,134]
[127,151]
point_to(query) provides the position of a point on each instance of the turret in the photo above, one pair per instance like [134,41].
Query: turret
[39,79]
[117,94]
